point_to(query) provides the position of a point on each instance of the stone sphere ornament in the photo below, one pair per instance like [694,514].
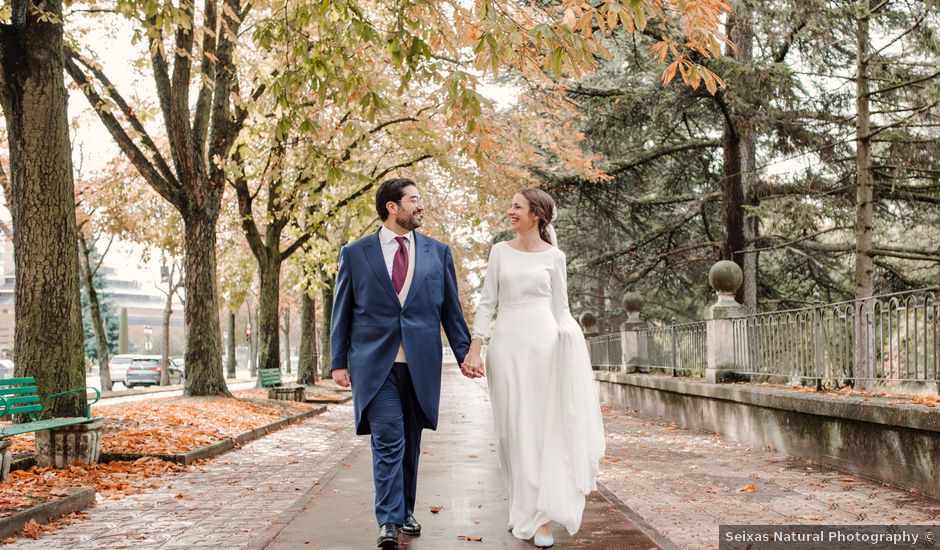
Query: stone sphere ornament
[725,277]
[632,302]
[588,320]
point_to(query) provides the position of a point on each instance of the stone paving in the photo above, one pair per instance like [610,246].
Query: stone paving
[223,503]
[674,485]
[685,484]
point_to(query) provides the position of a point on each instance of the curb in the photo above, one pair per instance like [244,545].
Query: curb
[79,498]
[641,524]
[346,399]
[218,447]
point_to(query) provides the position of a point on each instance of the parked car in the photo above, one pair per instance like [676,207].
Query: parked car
[6,368]
[144,370]
[117,366]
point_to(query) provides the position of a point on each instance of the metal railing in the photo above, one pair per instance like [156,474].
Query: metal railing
[679,349]
[885,339]
[605,351]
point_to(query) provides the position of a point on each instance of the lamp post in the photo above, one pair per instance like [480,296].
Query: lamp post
[148,330]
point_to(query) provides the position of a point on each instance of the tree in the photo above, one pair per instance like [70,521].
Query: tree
[48,331]
[173,284]
[307,361]
[101,326]
[198,140]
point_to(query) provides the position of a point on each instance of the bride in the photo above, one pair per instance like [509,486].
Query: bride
[550,435]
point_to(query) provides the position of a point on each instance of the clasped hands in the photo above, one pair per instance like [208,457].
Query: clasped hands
[472,366]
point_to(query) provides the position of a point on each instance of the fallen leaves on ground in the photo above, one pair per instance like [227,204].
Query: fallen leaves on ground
[924,400]
[750,488]
[470,538]
[436,509]
[180,424]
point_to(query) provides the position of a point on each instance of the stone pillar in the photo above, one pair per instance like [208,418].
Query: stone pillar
[725,277]
[6,457]
[633,342]
[60,447]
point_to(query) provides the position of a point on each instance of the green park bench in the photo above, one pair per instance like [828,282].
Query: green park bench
[277,389]
[20,396]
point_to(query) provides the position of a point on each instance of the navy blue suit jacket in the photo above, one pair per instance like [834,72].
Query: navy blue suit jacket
[369,322]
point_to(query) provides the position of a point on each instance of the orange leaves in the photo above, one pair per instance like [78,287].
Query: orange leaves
[470,538]
[561,38]
[180,425]
[748,488]
[32,530]
[436,509]
[924,400]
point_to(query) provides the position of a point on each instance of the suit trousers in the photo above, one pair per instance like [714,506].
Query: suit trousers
[396,421]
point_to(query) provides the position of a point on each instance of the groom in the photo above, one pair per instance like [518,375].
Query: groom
[394,291]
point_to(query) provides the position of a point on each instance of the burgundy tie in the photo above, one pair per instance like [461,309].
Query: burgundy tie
[400,265]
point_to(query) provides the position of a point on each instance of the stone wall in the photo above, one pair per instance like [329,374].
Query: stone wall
[893,443]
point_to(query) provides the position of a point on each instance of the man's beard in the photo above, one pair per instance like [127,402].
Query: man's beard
[408,221]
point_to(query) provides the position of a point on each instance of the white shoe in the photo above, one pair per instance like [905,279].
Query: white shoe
[543,541]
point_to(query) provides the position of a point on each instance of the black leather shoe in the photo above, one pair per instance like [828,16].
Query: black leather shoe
[388,536]
[411,527]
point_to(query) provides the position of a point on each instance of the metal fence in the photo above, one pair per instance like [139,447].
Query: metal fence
[891,339]
[605,351]
[679,349]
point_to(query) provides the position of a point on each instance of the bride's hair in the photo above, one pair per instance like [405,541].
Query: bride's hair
[542,205]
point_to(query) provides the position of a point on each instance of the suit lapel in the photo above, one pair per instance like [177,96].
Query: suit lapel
[376,261]
[422,255]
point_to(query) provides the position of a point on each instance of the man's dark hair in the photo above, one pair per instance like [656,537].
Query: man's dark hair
[390,190]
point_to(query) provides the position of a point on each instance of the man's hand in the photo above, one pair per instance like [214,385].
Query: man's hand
[341,377]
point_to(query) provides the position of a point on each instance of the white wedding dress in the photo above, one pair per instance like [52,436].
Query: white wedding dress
[550,434]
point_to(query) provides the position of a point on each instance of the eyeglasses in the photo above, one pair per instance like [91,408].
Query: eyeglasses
[417,201]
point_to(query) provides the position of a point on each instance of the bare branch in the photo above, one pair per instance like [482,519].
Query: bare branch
[155,170]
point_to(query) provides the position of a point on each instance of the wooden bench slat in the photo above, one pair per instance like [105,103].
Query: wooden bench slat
[18,391]
[27,427]
[26,380]
[22,400]
[24,409]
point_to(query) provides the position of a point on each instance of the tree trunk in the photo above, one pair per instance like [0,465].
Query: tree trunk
[738,171]
[269,343]
[307,362]
[864,262]
[101,335]
[204,336]
[123,340]
[253,342]
[286,329]
[230,353]
[48,340]
[327,326]
[165,358]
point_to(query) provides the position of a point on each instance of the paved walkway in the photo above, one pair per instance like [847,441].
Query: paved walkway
[458,474]
[219,505]
[309,486]
[687,483]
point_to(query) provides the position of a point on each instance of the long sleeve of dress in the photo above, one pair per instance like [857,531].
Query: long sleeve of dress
[560,288]
[489,298]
